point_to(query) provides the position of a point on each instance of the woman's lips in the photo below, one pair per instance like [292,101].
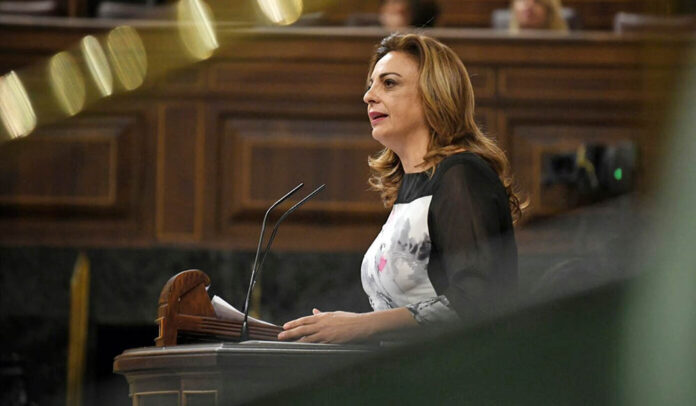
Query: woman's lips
[376,117]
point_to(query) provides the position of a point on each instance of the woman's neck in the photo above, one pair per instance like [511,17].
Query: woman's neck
[411,154]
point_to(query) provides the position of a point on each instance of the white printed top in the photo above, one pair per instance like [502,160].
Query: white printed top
[447,250]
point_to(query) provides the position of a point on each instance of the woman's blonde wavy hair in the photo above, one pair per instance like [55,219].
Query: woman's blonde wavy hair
[448,105]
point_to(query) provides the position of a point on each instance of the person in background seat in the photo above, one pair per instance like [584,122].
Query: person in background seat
[397,15]
[537,15]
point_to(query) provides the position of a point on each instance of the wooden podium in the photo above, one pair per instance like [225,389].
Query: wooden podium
[227,373]
[221,371]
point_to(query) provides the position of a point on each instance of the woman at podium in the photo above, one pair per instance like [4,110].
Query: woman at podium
[447,252]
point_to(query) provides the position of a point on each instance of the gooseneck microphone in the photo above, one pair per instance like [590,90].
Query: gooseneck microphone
[256,269]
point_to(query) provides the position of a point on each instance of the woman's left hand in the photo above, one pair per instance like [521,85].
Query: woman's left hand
[329,327]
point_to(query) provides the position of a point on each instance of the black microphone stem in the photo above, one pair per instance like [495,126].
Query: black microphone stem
[245,332]
[287,213]
[257,269]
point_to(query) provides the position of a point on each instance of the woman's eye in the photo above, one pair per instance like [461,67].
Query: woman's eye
[389,83]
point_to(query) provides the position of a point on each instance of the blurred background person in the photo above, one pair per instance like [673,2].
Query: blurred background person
[537,15]
[399,14]
[395,14]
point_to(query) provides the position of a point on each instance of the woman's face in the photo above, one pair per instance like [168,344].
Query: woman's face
[393,101]
[531,14]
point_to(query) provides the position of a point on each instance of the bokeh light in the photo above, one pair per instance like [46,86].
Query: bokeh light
[67,82]
[127,55]
[196,28]
[16,111]
[98,66]
[281,12]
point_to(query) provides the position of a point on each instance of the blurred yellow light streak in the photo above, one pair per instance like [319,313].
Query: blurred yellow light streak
[98,65]
[16,111]
[127,55]
[196,28]
[67,82]
[281,12]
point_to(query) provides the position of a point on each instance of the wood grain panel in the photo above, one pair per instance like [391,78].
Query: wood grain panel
[68,168]
[599,14]
[599,85]
[486,120]
[96,189]
[295,80]
[554,50]
[254,45]
[482,80]
[61,170]
[189,79]
[179,167]
[469,13]
[273,156]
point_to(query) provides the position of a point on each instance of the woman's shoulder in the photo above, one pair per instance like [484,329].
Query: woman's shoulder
[468,176]
[464,166]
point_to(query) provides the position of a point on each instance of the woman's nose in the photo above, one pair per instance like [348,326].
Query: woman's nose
[369,96]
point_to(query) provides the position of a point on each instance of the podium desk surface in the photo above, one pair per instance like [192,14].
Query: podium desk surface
[228,373]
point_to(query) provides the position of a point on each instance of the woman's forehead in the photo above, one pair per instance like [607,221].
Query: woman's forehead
[398,62]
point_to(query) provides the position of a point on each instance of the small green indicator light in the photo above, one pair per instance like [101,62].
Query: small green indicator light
[618,174]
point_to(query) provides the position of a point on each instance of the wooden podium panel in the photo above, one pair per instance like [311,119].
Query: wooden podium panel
[227,373]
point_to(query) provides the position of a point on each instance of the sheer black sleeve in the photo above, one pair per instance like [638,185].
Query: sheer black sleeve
[473,264]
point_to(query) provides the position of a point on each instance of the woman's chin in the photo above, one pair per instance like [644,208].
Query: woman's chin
[378,136]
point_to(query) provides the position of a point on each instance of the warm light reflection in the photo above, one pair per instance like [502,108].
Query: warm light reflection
[67,82]
[98,65]
[196,28]
[127,56]
[16,112]
[281,12]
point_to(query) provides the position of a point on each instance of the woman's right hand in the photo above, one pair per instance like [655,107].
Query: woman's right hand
[328,327]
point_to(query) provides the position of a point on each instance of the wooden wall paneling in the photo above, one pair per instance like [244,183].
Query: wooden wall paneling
[180,166]
[597,50]
[599,85]
[338,11]
[213,155]
[482,81]
[486,118]
[296,79]
[327,44]
[142,176]
[191,79]
[276,155]
[71,169]
[62,170]
[272,156]
[599,14]
[476,13]
[76,8]
[68,183]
